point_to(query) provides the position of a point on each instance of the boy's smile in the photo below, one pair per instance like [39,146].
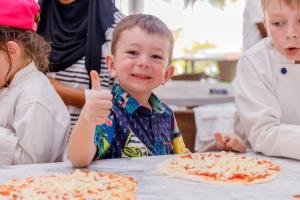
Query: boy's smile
[141,76]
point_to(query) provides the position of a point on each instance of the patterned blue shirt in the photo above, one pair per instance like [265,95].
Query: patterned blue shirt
[132,130]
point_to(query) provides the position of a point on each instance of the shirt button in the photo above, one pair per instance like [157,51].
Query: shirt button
[283,70]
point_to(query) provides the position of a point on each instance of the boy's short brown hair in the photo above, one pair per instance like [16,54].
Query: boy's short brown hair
[291,3]
[148,23]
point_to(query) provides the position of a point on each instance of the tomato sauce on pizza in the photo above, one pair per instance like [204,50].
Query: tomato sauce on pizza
[78,185]
[220,167]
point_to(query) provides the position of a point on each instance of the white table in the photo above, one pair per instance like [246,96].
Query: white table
[193,93]
[158,187]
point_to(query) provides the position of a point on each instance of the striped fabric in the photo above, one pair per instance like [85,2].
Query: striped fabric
[76,75]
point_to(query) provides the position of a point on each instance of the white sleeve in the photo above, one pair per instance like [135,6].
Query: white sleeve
[8,143]
[255,11]
[41,136]
[259,114]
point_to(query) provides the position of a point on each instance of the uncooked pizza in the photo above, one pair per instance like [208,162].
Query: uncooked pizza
[77,185]
[220,167]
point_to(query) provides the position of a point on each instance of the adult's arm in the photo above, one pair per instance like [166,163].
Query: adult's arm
[70,96]
[262,29]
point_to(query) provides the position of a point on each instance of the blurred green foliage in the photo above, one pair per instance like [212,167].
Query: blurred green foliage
[217,3]
[210,67]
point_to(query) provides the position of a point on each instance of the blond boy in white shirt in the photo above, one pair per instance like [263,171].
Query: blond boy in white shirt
[267,84]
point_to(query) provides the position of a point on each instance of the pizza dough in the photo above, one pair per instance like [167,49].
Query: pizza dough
[77,185]
[220,167]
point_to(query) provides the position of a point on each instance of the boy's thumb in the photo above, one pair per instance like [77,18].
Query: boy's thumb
[95,80]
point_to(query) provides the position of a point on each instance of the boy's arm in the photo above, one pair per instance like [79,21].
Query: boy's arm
[178,143]
[81,147]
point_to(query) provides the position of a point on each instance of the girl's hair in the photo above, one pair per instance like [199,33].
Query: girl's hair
[148,23]
[290,3]
[33,45]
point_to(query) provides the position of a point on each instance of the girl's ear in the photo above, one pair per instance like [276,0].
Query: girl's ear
[111,66]
[14,50]
[169,73]
[13,53]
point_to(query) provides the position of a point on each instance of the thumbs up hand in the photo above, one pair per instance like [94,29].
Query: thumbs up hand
[95,81]
[98,105]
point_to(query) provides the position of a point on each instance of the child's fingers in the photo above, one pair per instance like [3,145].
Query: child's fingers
[226,139]
[100,120]
[103,104]
[103,95]
[236,145]
[103,113]
[219,142]
[99,115]
[95,79]
[240,147]
[231,143]
[99,106]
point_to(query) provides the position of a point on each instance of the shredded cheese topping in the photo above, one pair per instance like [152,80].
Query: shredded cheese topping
[77,185]
[221,166]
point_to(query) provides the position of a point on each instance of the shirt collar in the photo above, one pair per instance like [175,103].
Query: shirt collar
[22,73]
[130,104]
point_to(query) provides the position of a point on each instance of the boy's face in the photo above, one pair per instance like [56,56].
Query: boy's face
[140,61]
[283,23]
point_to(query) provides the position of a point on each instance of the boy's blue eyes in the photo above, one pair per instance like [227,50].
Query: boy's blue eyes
[277,23]
[132,53]
[135,53]
[156,57]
